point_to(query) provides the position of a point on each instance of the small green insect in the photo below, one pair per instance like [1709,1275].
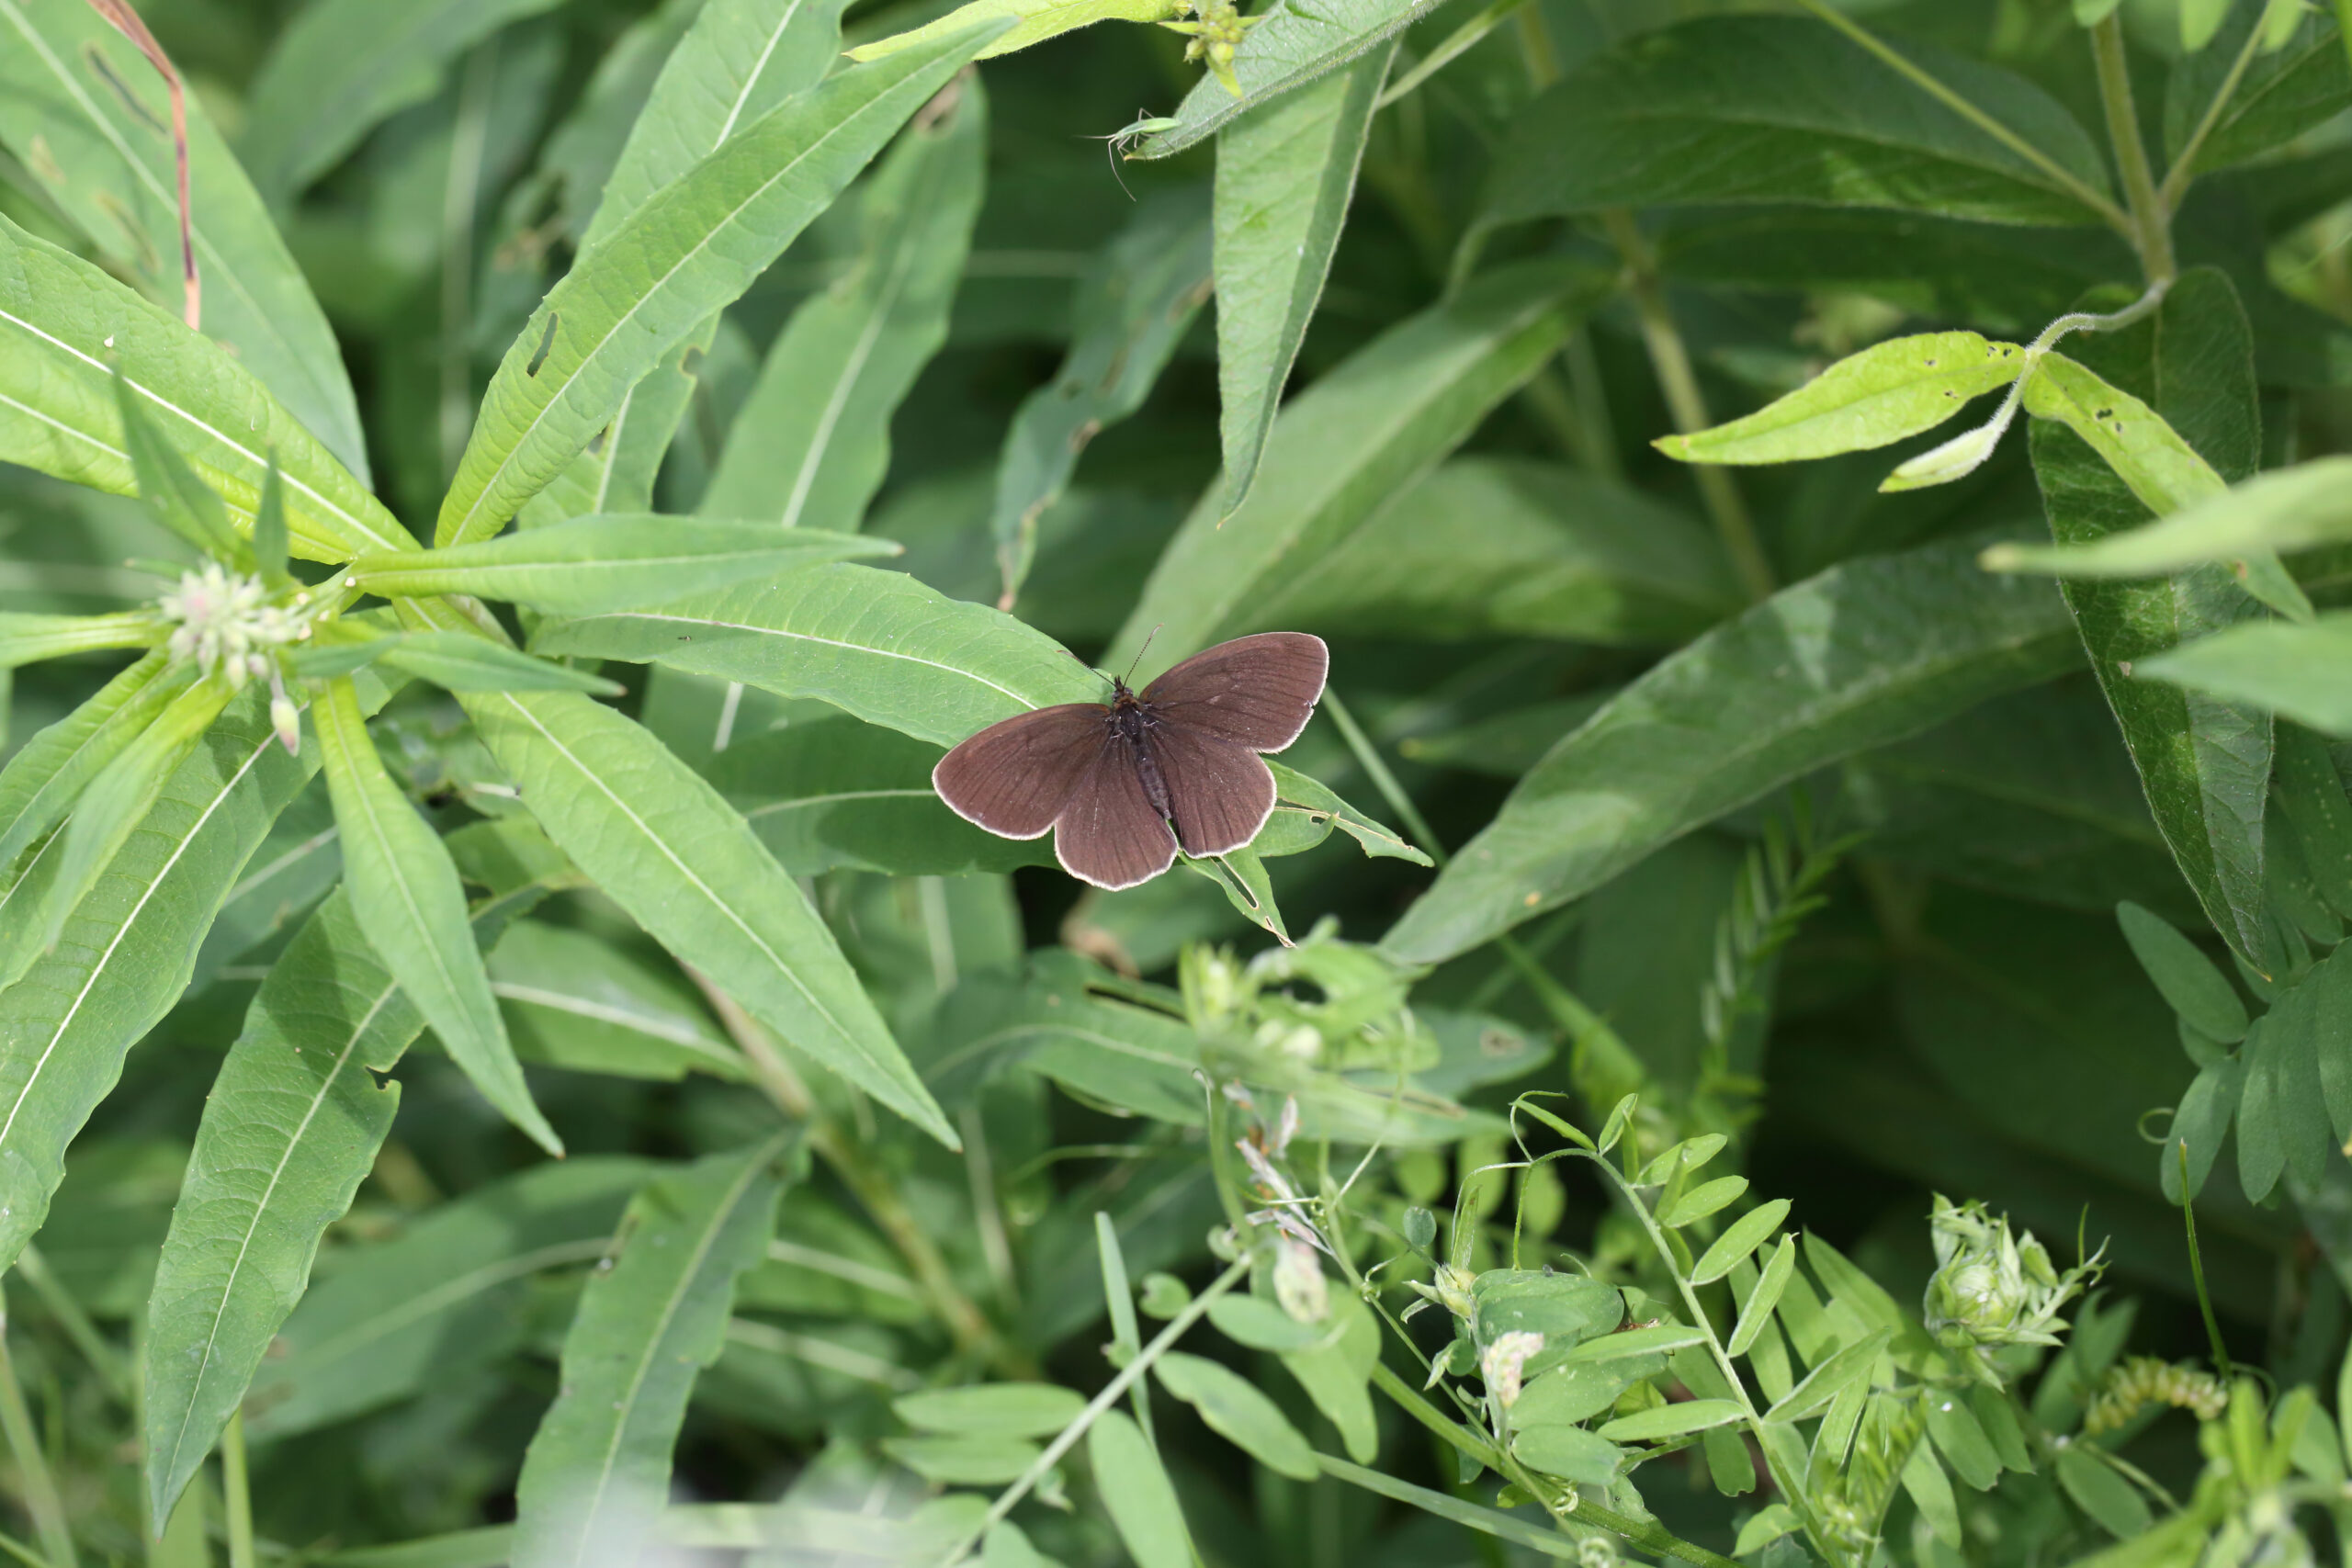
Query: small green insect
[1114,146]
[1215,36]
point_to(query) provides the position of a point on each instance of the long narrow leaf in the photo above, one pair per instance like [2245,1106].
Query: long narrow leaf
[407,898]
[598,1470]
[688,251]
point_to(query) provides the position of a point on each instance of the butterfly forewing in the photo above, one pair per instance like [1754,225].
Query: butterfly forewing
[1110,834]
[1015,778]
[1220,793]
[1254,691]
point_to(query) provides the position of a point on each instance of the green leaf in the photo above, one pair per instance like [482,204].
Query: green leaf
[2146,454]
[124,955]
[41,781]
[2295,508]
[1556,553]
[1930,1491]
[1672,1420]
[812,443]
[1742,1237]
[444,1297]
[1138,1494]
[1291,48]
[461,663]
[691,249]
[27,640]
[406,895]
[1260,1324]
[2200,20]
[963,1460]
[1785,109]
[2113,1504]
[1634,1342]
[1886,392]
[591,565]
[740,60]
[661,843]
[1756,1312]
[1954,1430]
[597,1471]
[1570,1452]
[105,816]
[1849,1368]
[1034,21]
[2192,987]
[1861,655]
[1236,1411]
[992,1410]
[1344,447]
[2296,83]
[1284,177]
[2205,763]
[572,1000]
[2309,791]
[833,791]
[343,66]
[67,329]
[175,496]
[1336,1375]
[877,644]
[2295,671]
[291,1126]
[82,107]
[1133,307]
[1701,1201]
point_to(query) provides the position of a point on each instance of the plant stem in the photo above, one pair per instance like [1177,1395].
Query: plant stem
[2055,172]
[2197,1269]
[1368,758]
[43,1500]
[1687,404]
[2151,229]
[2183,168]
[1111,1390]
[870,1184]
[1642,1532]
[103,1358]
[237,1492]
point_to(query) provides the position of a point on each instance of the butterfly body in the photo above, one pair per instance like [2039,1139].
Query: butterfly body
[1112,780]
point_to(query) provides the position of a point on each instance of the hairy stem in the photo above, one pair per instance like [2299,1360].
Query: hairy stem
[2150,223]
[1680,382]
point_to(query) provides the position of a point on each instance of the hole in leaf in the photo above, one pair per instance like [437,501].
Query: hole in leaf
[547,342]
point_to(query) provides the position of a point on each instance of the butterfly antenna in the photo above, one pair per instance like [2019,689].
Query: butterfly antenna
[1140,652]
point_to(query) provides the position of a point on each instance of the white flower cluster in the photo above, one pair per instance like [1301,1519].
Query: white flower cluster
[228,625]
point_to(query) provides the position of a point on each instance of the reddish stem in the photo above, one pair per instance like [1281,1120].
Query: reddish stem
[126,21]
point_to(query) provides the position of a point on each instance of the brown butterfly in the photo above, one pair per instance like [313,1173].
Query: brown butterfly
[1112,780]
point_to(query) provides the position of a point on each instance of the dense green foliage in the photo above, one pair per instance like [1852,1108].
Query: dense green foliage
[1794,1004]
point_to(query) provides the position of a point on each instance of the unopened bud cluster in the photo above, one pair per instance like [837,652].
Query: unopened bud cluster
[1992,1286]
[233,626]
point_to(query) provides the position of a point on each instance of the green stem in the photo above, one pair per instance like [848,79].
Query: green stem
[103,1358]
[43,1500]
[872,1186]
[2197,1270]
[236,1489]
[2183,168]
[1687,406]
[2151,224]
[1642,1532]
[1792,1488]
[2055,172]
[1368,758]
[1110,1396]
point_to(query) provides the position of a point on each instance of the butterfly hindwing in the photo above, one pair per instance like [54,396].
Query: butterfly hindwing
[1219,792]
[1109,833]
